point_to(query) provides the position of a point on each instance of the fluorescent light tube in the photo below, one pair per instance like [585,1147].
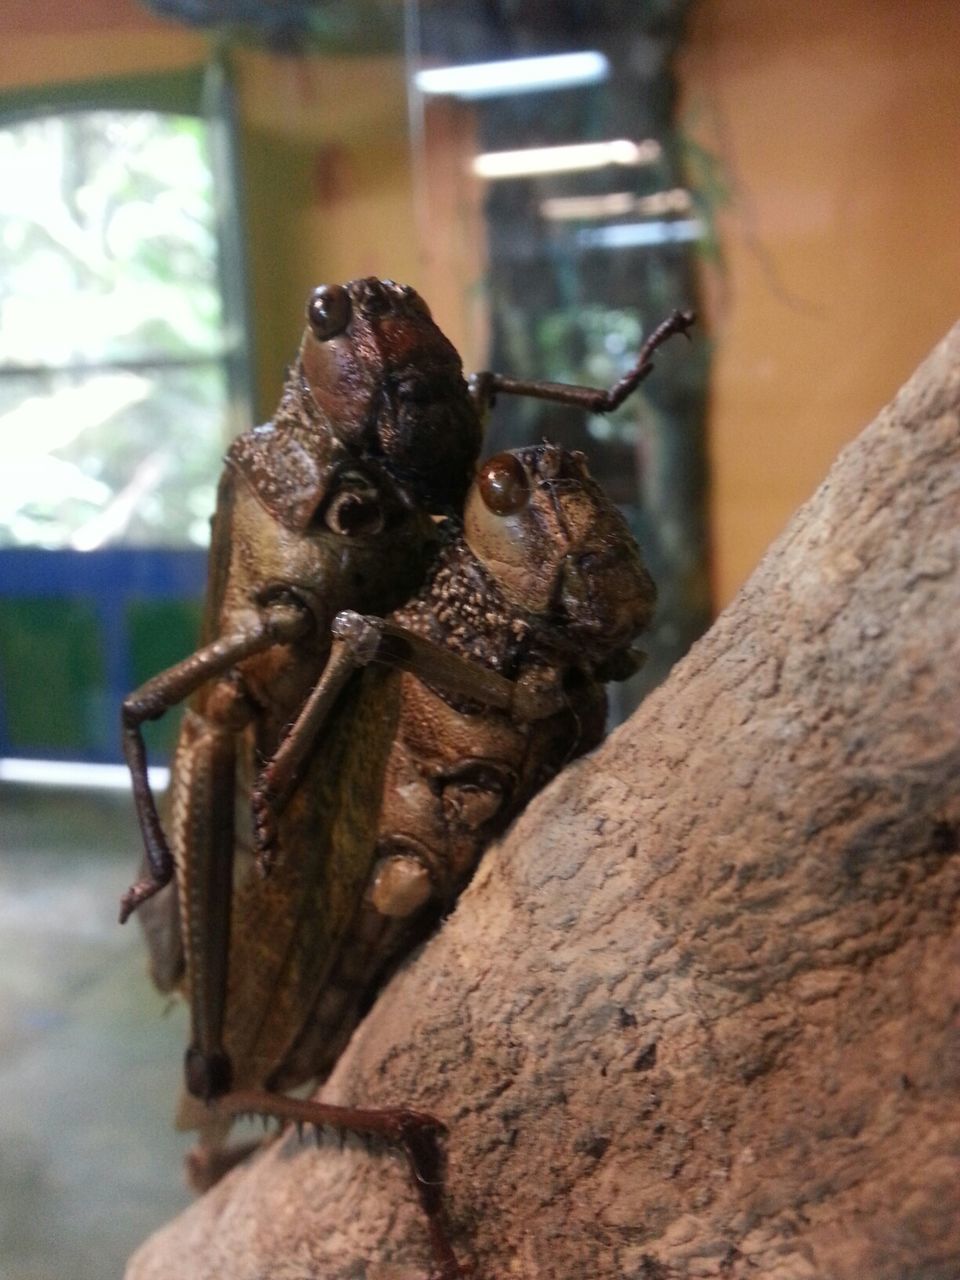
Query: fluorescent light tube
[632,235]
[567,159]
[77,773]
[515,75]
[616,205]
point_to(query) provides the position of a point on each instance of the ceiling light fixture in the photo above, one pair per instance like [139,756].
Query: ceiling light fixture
[566,159]
[638,235]
[616,205]
[514,75]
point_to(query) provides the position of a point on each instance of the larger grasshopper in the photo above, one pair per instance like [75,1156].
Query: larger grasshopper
[327,508]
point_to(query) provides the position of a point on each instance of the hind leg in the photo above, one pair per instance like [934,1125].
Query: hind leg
[417,1135]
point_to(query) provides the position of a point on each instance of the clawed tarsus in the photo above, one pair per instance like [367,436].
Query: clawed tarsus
[415,1133]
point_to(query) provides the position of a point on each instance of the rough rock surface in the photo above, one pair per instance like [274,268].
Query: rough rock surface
[698,1014]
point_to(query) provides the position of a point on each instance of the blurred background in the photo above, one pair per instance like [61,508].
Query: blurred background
[554,178]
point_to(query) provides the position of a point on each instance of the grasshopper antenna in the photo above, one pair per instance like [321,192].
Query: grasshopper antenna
[485,387]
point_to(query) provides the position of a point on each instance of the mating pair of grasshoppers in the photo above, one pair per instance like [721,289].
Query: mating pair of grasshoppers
[397,652]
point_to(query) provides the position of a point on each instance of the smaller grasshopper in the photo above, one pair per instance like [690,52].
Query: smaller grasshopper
[531,605]
[538,594]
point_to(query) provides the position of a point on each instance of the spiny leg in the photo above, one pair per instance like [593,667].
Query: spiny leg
[358,640]
[413,1132]
[280,625]
[278,779]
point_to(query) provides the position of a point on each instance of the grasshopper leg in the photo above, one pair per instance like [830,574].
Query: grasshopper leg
[279,777]
[358,640]
[281,625]
[203,805]
[203,836]
[415,1133]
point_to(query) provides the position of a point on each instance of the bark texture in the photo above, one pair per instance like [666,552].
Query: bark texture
[699,1013]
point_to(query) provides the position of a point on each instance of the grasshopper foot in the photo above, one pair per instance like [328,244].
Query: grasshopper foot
[417,1134]
[265,833]
[138,893]
[208,1075]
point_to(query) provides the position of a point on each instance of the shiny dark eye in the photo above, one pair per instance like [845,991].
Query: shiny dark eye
[503,484]
[355,513]
[328,311]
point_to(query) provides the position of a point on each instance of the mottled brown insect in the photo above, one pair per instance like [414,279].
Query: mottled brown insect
[501,660]
[328,508]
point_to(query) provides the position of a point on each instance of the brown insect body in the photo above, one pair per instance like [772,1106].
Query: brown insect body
[325,508]
[544,594]
[329,502]
[383,794]
[376,379]
[290,928]
[429,778]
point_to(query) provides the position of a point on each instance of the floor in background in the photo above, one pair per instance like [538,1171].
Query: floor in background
[90,1053]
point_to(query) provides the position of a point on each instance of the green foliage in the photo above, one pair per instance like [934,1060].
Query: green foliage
[114,397]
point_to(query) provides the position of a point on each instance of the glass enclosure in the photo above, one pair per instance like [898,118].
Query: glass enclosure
[540,208]
[551,189]
[553,177]
[549,225]
[123,376]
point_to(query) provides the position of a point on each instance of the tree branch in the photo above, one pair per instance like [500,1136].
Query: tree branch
[698,1013]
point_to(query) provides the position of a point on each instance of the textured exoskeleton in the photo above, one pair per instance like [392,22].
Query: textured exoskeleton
[327,508]
[530,607]
[546,587]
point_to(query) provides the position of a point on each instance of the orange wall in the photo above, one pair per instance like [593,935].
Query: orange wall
[328,187]
[837,126]
[56,45]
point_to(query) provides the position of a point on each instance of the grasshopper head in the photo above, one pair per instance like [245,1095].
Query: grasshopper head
[559,549]
[375,383]
[384,381]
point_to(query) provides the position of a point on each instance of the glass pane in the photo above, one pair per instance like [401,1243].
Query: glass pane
[558,232]
[114,402]
[108,457]
[52,666]
[107,240]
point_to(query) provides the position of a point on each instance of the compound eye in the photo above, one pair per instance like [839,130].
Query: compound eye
[355,512]
[328,311]
[504,485]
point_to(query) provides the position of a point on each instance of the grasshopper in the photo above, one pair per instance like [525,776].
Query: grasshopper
[531,606]
[328,508]
[498,665]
